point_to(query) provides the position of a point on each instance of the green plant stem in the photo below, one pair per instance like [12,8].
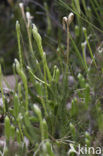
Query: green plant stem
[19,44]
[91,53]
[24,79]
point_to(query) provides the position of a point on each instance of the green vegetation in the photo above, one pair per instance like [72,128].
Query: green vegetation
[57,101]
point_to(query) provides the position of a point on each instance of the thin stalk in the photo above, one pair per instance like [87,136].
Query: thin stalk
[49,27]
[27,25]
[19,44]
[90,50]
[84,55]
[35,77]
[29,32]
[77,51]
[67,43]
[67,21]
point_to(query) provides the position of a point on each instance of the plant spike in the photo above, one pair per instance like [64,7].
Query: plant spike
[68,20]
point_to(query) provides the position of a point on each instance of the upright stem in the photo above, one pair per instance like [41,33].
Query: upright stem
[67,43]
[67,21]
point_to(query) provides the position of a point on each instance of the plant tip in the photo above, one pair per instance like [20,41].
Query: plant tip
[83,45]
[70,18]
[15,60]
[79,76]
[17,22]
[28,15]
[65,19]
[36,109]
[84,29]
[34,28]
[21,5]
[28,67]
